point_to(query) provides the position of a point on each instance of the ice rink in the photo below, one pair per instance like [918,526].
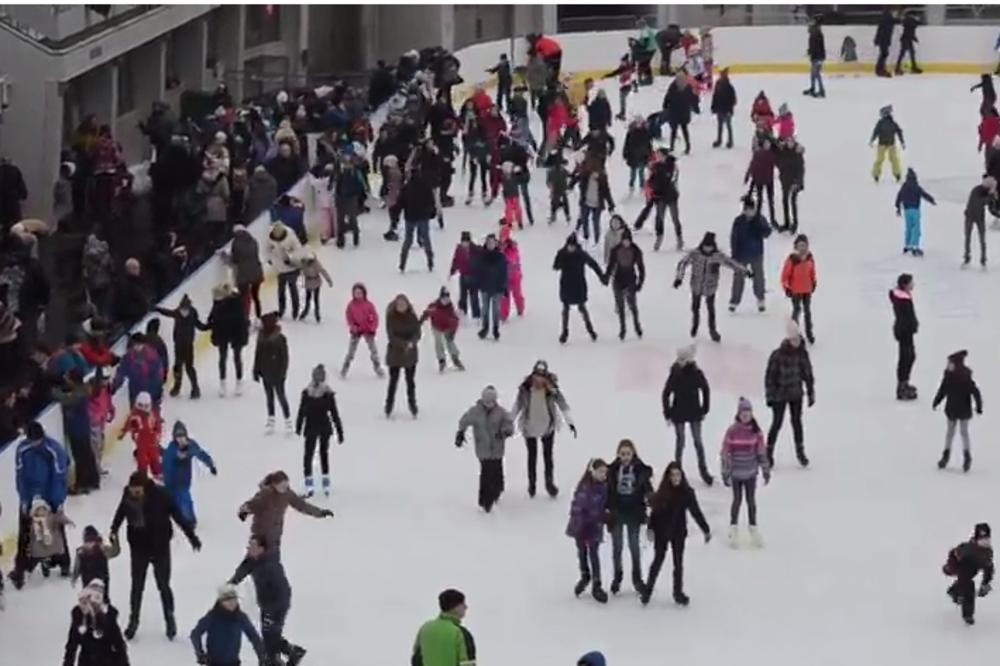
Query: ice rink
[854,545]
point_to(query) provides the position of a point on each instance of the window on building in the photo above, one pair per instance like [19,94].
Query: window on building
[263,24]
[126,86]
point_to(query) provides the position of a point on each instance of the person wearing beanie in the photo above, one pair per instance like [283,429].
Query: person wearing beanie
[964,563]
[787,380]
[362,322]
[626,273]
[744,454]
[791,165]
[587,514]
[443,641]
[149,511]
[186,325]
[629,486]
[145,426]
[885,132]
[746,241]
[572,261]
[313,275]
[419,202]
[270,367]
[318,416]
[90,561]
[975,216]
[958,390]
[269,505]
[94,635]
[592,659]
[515,276]
[705,261]
[444,325]
[178,460]
[798,279]
[230,329]
[463,262]
[218,636]
[557,180]
[685,400]
[904,328]
[908,199]
[662,194]
[537,411]
[491,269]
[491,426]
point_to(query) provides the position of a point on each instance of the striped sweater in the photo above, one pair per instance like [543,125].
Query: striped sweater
[743,452]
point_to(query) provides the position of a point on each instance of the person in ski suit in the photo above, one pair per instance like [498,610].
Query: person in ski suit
[362,322]
[886,131]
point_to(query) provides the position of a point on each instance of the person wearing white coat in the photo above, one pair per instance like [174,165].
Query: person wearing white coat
[284,253]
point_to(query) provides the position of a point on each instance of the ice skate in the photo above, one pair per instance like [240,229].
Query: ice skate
[732,307]
[756,540]
[966,461]
[563,337]
[295,655]
[945,457]
[132,628]
[714,335]
[458,364]
[761,305]
[468,200]
[734,536]
[222,388]
[16,579]
[289,428]
[600,596]
[195,392]
[171,628]
[681,599]
[441,365]
[800,454]
[176,390]
[658,243]
[269,427]
[239,387]
[581,584]
[326,485]
[616,582]
[705,476]
[551,489]
[309,490]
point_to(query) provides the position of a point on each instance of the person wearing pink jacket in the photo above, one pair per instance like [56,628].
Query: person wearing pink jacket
[784,124]
[744,453]
[514,275]
[101,411]
[362,322]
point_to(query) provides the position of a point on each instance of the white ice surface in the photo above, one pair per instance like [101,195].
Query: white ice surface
[851,569]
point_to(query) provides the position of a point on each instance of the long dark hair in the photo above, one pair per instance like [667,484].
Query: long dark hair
[588,476]
[666,490]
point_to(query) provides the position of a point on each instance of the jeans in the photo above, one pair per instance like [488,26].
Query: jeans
[468,296]
[422,230]
[491,483]
[411,387]
[347,220]
[636,175]
[696,313]
[816,77]
[478,165]
[352,348]
[288,282]
[724,120]
[272,627]
[980,226]
[659,555]
[312,438]
[445,342]
[757,266]
[272,389]
[802,303]
[617,530]
[906,358]
[778,418]
[911,236]
[790,201]
[963,425]
[759,190]
[679,443]
[491,311]
[593,214]
[741,488]
[589,557]
[626,298]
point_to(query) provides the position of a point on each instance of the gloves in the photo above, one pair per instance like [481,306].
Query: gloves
[459,439]
[195,543]
[214,471]
[202,660]
[749,273]
[811,399]
[242,515]
[788,293]
[677,284]
[638,287]
[572,429]
[326,513]
[340,438]
[985,589]
[708,537]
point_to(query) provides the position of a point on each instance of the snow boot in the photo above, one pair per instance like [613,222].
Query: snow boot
[581,584]
[310,490]
[734,536]
[966,461]
[171,626]
[222,388]
[945,457]
[600,596]
[295,655]
[616,582]
[800,454]
[326,485]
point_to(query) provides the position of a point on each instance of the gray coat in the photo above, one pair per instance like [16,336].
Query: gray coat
[705,270]
[537,74]
[491,426]
[262,190]
[245,253]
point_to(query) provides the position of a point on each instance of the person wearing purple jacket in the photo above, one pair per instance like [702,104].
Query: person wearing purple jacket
[143,369]
[586,526]
[760,176]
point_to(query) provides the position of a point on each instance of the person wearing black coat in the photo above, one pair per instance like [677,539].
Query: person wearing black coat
[790,159]
[626,272]
[599,112]
[270,367]
[595,195]
[636,152]
[13,193]
[490,270]
[131,298]
[788,380]
[94,638]
[419,208]
[629,487]
[907,40]
[686,400]
[186,323]
[817,55]
[663,196]
[285,167]
[883,40]
[678,104]
[230,330]
[723,104]
[517,153]
[964,562]
[149,510]
[318,416]
[572,262]
[904,327]
[958,390]
[669,506]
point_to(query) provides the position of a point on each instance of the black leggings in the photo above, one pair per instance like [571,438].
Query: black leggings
[684,131]
[483,170]
[907,357]
[659,555]
[759,190]
[790,202]
[184,362]
[532,444]
[746,487]
[237,360]
[324,453]
[696,312]
[276,389]
[312,297]
[411,387]
[778,417]
[160,562]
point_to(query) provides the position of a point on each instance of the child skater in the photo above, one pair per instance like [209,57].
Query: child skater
[744,453]
[178,460]
[491,426]
[444,325]
[798,278]
[515,276]
[321,179]
[586,526]
[313,275]
[705,261]
[908,198]
[101,410]
[965,561]
[885,132]
[186,324]
[47,543]
[511,195]
[629,488]
[557,179]
[318,416]
[958,390]
[362,322]
[91,559]
[144,424]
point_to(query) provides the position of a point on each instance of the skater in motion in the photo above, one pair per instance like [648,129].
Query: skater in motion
[402,326]
[274,596]
[685,400]
[743,456]
[791,175]
[586,527]
[629,488]
[178,461]
[491,270]
[787,380]
[964,562]
[268,507]
[958,390]
[975,216]
[230,331]
[317,418]
[491,426]
[885,132]
[362,322]
[663,195]
[627,273]
[673,501]
[270,367]
[443,641]
[444,325]
[572,262]
[904,328]
[746,241]
[95,639]
[908,205]
[218,636]
[798,279]
[91,559]
[186,324]
[537,412]
[705,261]
[679,103]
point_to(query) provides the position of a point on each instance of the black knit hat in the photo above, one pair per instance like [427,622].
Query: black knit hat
[444,293]
[708,239]
[90,533]
[450,599]
[982,531]
[958,358]
[572,240]
[466,236]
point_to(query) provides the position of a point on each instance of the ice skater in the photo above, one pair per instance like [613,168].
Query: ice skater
[491,426]
[686,401]
[958,390]
[629,486]
[178,461]
[904,328]
[787,380]
[886,131]
[362,322]
[586,527]
[705,261]
[744,455]
[964,562]
[317,418]
[908,204]
[798,279]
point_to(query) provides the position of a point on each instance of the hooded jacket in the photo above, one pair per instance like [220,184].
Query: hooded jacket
[686,394]
[270,362]
[361,315]
[746,239]
[318,414]
[910,193]
[789,374]
[41,471]
[224,630]
[178,462]
[572,267]
[268,509]
[403,329]
[958,390]
[491,426]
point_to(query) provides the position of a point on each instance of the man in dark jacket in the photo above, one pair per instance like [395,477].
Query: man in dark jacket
[599,112]
[678,105]
[907,40]
[883,40]
[419,208]
[131,299]
[975,215]
[572,261]
[186,323]
[505,80]
[817,55]
[223,627]
[790,159]
[490,275]
[964,562]
[746,241]
[723,103]
[13,192]
[149,511]
[274,596]
[789,378]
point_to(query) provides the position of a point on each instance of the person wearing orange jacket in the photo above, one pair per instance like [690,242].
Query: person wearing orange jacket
[798,278]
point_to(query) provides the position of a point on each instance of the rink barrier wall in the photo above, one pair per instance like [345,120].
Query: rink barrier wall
[198,286]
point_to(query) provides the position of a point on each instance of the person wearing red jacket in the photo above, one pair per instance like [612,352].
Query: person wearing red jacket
[96,351]
[798,278]
[362,322]
[481,101]
[557,119]
[463,263]
[444,324]
[551,53]
[144,424]
[989,128]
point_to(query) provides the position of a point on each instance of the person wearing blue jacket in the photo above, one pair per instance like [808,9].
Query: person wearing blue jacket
[143,369]
[218,636]
[41,465]
[747,245]
[490,269]
[289,211]
[908,199]
[178,459]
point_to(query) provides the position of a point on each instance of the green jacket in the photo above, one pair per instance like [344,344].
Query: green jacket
[444,642]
